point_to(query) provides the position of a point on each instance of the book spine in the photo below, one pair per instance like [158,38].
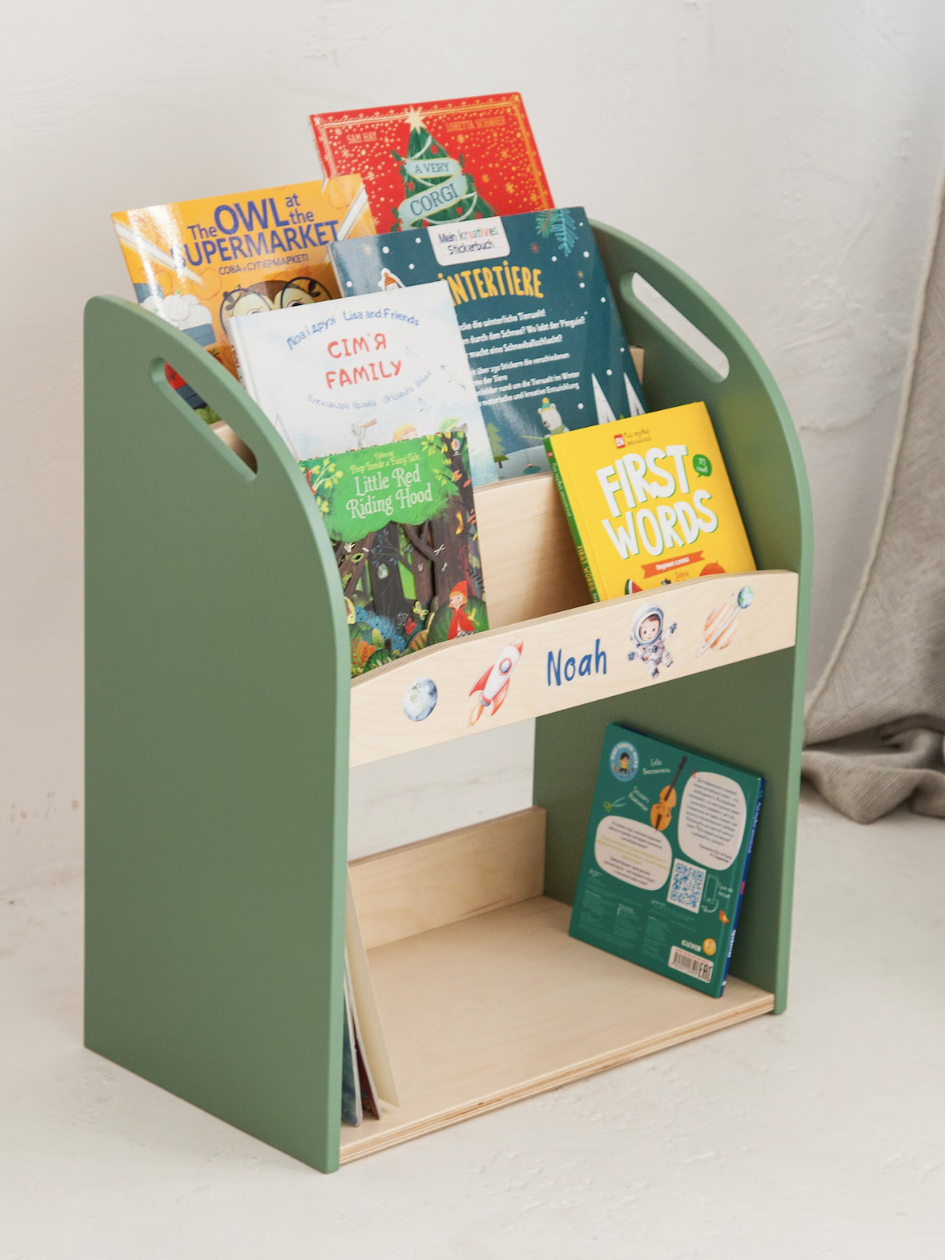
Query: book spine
[741,886]
[336,269]
[572,522]
[233,337]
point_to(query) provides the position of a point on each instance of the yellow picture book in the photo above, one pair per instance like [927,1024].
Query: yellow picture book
[649,501]
[199,263]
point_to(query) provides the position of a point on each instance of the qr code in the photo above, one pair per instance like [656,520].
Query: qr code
[685,886]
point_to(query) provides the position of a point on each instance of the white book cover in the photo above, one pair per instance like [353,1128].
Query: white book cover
[362,371]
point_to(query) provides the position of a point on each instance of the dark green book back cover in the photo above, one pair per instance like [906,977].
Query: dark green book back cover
[664,864]
[546,347]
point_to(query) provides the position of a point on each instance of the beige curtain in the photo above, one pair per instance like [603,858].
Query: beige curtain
[876,720]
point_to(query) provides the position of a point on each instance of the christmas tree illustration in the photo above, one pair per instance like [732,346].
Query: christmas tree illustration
[437,188]
[559,224]
[495,442]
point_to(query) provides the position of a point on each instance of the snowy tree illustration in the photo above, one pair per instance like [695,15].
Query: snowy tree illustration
[495,442]
[560,225]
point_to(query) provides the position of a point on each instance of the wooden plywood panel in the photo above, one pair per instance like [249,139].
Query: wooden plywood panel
[484,1012]
[571,658]
[423,886]
[530,566]
[365,1001]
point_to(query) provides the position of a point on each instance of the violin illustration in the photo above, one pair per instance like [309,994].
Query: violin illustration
[661,815]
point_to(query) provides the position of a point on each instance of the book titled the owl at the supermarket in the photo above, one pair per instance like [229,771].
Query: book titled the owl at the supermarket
[666,856]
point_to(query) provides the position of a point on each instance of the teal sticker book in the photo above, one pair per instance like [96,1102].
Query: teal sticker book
[664,866]
[541,329]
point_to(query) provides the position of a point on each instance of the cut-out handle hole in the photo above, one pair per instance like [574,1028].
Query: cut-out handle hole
[207,416]
[229,437]
[190,396]
[677,323]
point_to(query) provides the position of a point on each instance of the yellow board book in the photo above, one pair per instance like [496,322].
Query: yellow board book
[199,263]
[649,501]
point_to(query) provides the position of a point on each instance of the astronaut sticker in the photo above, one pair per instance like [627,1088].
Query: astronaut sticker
[649,635]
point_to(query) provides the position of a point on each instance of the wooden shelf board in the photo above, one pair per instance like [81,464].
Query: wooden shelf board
[495,1008]
[518,521]
[569,658]
[421,886]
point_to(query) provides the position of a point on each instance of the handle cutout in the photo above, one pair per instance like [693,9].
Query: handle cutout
[229,437]
[187,400]
[677,323]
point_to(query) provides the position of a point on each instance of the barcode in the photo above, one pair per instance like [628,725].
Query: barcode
[682,960]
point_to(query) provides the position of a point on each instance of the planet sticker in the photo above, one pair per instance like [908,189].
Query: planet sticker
[702,465]
[719,629]
[722,622]
[420,699]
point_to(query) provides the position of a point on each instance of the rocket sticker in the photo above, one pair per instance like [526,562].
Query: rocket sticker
[492,687]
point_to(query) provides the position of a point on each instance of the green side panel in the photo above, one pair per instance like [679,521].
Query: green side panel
[750,713]
[217,748]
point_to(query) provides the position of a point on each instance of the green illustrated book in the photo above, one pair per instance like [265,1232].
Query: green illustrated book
[667,852]
[403,524]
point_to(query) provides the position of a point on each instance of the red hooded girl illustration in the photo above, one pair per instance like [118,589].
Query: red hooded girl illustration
[459,622]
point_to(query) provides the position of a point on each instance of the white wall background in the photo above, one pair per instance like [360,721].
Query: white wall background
[786,154]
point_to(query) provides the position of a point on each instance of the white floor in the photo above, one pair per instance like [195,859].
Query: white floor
[819,1133]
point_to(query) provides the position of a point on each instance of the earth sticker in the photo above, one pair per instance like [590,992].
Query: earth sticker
[420,699]
[624,761]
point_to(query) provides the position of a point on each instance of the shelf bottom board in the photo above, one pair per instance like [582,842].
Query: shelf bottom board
[495,1008]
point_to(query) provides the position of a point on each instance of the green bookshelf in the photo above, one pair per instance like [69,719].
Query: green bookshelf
[221,723]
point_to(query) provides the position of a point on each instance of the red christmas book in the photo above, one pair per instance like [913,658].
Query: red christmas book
[439,162]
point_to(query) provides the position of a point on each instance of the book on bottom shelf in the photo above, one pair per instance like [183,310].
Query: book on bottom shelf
[367,1079]
[352,1104]
[666,856]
